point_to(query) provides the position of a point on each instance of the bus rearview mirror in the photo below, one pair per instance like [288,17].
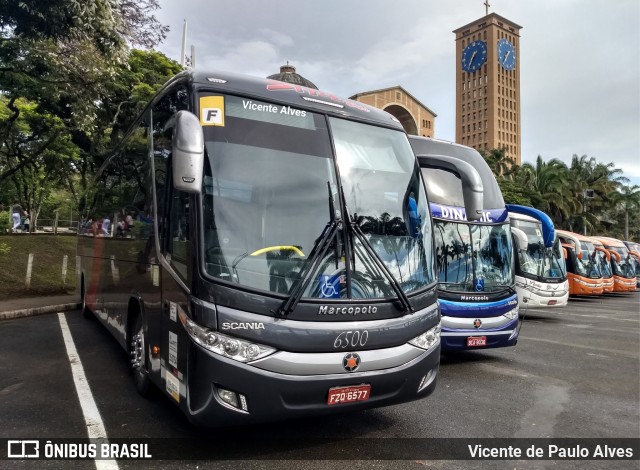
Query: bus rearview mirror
[187,161]
[472,187]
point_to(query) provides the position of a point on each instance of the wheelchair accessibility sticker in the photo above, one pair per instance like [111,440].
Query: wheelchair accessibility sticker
[329,286]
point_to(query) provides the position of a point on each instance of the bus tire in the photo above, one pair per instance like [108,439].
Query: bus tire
[86,312]
[139,363]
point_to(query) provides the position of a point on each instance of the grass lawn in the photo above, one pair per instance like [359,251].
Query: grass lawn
[46,274]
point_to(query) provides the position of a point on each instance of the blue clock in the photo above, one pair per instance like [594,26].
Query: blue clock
[474,55]
[506,54]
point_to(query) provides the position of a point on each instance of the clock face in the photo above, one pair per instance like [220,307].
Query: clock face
[474,55]
[506,54]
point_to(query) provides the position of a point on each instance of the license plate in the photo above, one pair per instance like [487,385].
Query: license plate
[339,395]
[552,302]
[473,341]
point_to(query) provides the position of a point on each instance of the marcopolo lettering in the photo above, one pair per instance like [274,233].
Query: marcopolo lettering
[472,298]
[230,325]
[352,310]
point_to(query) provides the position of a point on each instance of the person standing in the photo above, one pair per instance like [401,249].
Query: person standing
[26,222]
[106,226]
[15,216]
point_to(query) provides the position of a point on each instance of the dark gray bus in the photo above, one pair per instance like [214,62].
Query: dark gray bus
[264,251]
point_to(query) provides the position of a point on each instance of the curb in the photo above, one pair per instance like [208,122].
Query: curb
[29,312]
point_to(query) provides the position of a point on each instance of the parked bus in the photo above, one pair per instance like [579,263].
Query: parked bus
[275,258]
[634,251]
[624,273]
[541,273]
[474,249]
[583,272]
[603,258]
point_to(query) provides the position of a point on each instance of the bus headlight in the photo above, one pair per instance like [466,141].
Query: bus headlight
[428,339]
[511,314]
[233,348]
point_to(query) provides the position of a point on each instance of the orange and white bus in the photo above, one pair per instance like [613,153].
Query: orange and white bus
[623,267]
[603,258]
[583,273]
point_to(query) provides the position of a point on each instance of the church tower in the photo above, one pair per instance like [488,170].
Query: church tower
[488,85]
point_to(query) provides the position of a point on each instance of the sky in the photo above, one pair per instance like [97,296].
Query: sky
[579,59]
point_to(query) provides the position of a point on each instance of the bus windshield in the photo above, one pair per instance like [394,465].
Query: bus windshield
[624,268]
[473,258]
[535,259]
[270,182]
[587,266]
[605,266]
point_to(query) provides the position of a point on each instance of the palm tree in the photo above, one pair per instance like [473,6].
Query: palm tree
[625,200]
[500,163]
[601,179]
[546,183]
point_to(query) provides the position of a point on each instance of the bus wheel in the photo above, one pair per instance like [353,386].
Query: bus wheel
[138,355]
[86,312]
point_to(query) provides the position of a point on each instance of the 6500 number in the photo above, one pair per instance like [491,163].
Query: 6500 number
[351,338]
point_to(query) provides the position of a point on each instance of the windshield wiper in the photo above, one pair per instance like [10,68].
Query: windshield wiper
[315,257]
[402,296]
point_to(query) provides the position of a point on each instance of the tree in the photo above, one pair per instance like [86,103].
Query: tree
[626,200]
[500,163]
[585,173]
[64,61]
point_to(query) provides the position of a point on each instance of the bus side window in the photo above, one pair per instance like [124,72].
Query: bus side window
[179,244]
[172,206]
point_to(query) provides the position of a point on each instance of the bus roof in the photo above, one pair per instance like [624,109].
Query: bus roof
[577,236]
[608,241]
[286,93]
[492,196]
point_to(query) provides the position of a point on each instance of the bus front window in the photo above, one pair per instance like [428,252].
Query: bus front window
[537,260]
[493,252]
[270,183]
[473,258]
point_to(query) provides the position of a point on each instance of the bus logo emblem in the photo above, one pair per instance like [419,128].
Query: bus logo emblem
[351,362]
[477,323]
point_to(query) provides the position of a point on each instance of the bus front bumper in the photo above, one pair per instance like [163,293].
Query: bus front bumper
[270,396]
[456,339]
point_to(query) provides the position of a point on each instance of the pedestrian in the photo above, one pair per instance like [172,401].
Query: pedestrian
[15,216]
[106,226]
[26,222]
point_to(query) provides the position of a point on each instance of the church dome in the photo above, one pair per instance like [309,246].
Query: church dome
[288,74]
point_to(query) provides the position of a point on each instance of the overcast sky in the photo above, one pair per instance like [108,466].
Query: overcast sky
[579,59]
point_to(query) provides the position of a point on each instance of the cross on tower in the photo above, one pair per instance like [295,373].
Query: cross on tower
[486,5]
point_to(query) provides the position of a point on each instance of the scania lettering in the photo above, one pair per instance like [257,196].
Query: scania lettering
[474,249]
[264,262]
[541,273]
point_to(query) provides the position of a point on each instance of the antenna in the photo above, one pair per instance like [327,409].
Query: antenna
[183,50]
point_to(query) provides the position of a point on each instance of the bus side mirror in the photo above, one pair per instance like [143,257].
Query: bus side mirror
[472,187]
[616,255]
[521,238]
[187,162]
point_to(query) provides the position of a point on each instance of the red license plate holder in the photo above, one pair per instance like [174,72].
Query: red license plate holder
[350,394]
[476,341]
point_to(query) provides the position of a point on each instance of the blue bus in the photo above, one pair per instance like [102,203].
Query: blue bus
[473,245]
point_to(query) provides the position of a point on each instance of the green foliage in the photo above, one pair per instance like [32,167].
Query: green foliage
[5,221]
